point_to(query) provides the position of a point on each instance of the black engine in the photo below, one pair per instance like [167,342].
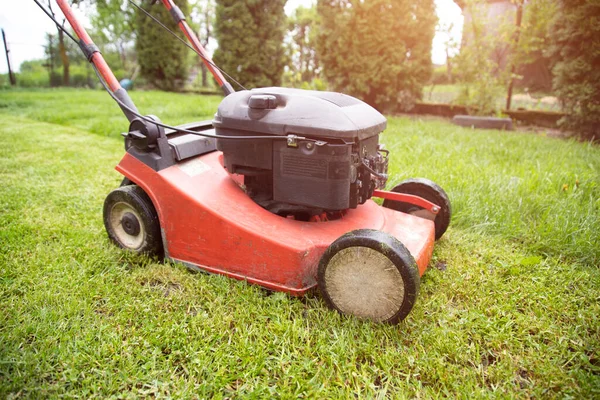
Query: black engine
[328,159]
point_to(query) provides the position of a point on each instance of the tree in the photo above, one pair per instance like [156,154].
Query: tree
[501,48]
[480,65]
[162,59]
[203,16]
[515,46]
[303,58]
[576,49]
[531,56]
[250,35]
[50,51]
[62,49]
[377,50]
[114,26]
[446,30]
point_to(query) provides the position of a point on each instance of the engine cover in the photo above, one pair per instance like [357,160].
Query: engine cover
[330,161]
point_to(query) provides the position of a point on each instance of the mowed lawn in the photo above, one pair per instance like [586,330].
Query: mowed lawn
[509,307]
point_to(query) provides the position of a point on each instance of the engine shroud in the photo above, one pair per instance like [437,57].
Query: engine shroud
[336,167]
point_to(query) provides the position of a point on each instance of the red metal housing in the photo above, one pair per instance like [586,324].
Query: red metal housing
[208,222]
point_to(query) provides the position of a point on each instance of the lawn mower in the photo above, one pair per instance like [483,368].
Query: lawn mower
[275,190]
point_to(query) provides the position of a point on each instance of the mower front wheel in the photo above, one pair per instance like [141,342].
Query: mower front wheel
[131,221]
[126,182]
[369,274]
[429,191]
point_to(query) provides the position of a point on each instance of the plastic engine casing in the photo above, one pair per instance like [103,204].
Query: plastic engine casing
[321,175]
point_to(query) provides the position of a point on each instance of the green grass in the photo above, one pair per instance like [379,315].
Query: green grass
[94,111]
[509,307]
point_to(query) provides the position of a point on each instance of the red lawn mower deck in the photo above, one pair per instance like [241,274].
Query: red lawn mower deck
[210,223]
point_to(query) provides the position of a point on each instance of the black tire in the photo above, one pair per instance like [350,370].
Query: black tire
[131,221]
[354,276]
[429,191]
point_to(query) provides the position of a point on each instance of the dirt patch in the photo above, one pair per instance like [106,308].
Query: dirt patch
[168,288]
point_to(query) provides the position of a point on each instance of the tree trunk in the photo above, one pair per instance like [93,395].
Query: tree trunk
[50,63]
[448,66]
[205,45]
[123,56]
[204,75]
[203,68]
[13,81]
[64,58]
[513,67]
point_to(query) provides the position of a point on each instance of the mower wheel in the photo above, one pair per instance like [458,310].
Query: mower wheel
[429,191]
[369,274]
[126,182]
[131,221]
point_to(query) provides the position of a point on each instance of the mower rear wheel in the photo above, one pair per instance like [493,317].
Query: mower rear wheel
[369,274]
[131,221]
[429,191]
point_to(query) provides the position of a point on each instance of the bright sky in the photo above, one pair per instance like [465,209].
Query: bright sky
[25,26]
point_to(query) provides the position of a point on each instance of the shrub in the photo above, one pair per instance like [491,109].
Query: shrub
[377,50]
[479,70]
[440,76]
[162,59]
[250,35]
[576,49]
